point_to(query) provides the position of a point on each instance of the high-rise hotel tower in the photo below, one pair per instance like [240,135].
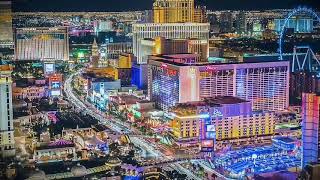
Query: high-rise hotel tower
[6,113]
[42,43]
[173,11]
[6,35]
[173,19]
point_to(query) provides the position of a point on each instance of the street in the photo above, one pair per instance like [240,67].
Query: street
[120,127]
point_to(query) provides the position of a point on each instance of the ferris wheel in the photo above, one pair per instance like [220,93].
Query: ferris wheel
[294,12]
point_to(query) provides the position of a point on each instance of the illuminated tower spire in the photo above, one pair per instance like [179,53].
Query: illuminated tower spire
[95,48]
[95,53]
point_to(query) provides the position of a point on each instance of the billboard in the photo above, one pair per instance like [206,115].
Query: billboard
[48,68]
[210,135]
[207,144]
[55,93]
[55,85]
[211,128]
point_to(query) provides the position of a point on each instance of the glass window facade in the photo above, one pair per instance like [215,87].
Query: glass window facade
[165,87]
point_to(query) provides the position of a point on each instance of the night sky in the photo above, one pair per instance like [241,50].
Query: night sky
[125,5]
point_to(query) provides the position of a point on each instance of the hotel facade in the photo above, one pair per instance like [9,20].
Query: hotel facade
[176,79]
[199,31]
[7,147]
[219,121]
[42,43]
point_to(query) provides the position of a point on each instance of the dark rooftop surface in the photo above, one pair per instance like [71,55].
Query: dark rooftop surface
[285,139]
[224,100]
[103,79]
[212,102]
[178,61]
[217,101]
[99,127]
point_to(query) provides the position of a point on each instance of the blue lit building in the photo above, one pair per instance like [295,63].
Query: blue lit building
[177,79]
[284,143]
[299,25]
[100,89]
[165,87]
[139,75]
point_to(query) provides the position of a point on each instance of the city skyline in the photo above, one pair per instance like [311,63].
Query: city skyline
[125,5]
[177,90]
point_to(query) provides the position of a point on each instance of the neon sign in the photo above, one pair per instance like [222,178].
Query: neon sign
[164,65]
[55,85]
[201,116]
[211,68]
[169,72]
[217,113]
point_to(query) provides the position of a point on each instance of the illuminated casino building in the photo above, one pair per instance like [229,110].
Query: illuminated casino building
[310,128]
[124,61]
[42,43]
[199,31]
[100,90]
[55,84]
[178,78]
[6,35]
[200,14]
[182,11]
[171,11]
[219,121]
[119,69]
[161,45]
[6,113]
[113,50]
[173,19]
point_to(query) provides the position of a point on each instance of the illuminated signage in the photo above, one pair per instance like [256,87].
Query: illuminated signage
[201,116]
[207,143]
[210,135]
[217,113]
[211,68]
[55,85]
[80,55]
[55,93]
[208,71]
[170,72]
[211,128]
[49,68]
[164,65]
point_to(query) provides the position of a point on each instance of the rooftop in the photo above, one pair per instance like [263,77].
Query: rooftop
[103,79]
[214,101]
[285,139]
[6,67]
[126,99]
[56,144]
[184,60]
[190,108]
